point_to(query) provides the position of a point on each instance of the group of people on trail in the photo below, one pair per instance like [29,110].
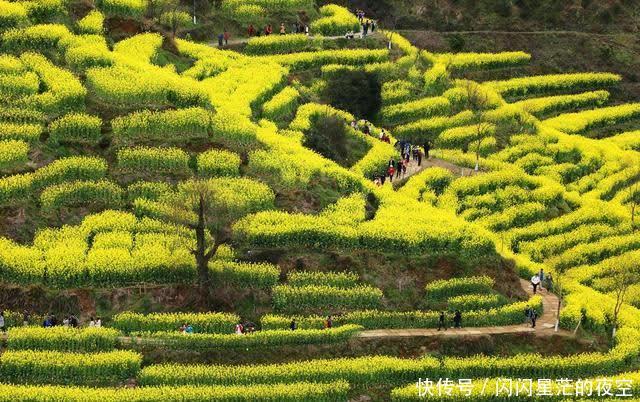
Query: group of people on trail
[296,28]
[366,24]
[540,278]
[51,321]
[365,128]
[442,320]
[223,38]
[326,324]
[186,329]
[531,315]
[245,328]
[70,321]
[398,169]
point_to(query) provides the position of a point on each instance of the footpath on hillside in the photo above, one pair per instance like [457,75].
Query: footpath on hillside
[545,325]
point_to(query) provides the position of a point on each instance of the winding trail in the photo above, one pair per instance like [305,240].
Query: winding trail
[244,39]
[544,325]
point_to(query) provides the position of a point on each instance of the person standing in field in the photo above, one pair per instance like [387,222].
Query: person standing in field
[457,319]
[283,30]
[294,325]
[441,321]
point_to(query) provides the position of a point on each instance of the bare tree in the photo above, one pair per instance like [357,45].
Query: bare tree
[622,276]
[477,100]
[633,197]
[209,212]
[174,19]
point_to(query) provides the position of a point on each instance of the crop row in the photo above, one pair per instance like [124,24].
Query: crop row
[482,61]
[334,279]
[282,106]
[292,392]
[210,323]
[335,21]
[579,122]
[390,370]
[509,314]
[308,60]
[445,288]
[13,153]
[177,341]
[500,389]
[322,297]
[165,126]
[560,103]
[62,339]
[278,44]
[554,82]
[51,367]
[18,187]
[403,112]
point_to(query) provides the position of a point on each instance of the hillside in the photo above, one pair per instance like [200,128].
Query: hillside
[616,16]
[191,211]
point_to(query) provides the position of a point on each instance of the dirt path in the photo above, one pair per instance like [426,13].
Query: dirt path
[243,40]
[488,32]
[413,169]
[544,325]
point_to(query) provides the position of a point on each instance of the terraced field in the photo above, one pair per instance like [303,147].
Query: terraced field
[159,162]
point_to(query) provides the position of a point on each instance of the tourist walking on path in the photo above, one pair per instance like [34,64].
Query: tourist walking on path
[534,317]
[1,321]
[541,275]
[239,328]
[441,321]
[226,36]
[427,148]
[535,281]
[283,30]
[457,319]
[527,314]
[294,325]
[220,39]
[251,31]
[549,284]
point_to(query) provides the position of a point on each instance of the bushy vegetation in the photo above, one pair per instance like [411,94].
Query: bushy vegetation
[157,174]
